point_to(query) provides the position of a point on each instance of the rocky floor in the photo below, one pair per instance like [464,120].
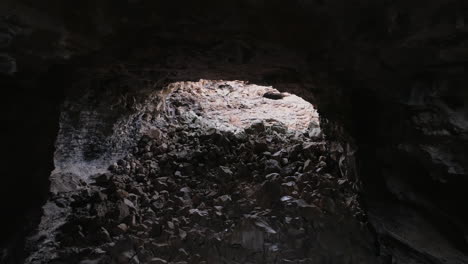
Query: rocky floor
[203,189]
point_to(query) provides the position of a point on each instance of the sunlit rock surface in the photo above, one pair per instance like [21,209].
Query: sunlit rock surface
[235,105]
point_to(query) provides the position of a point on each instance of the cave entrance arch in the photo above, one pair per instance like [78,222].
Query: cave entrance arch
[265,157]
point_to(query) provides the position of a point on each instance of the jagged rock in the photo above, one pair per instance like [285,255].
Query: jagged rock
[272,165]
[121,228]
[262,224]
[225,173]
[157,261]
[223,199]
[68,182]
[123,210]
[104,235]
[307,166]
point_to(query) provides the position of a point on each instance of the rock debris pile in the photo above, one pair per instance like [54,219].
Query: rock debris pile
[191,193]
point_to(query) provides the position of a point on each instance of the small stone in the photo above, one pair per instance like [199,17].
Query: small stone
[273,177]
[159,204]
[170,224]
[263,225]
[122,228]
[104,235]
[186,190]
[225,172]
[182,234]
[223,199]
[201,213]
[123,210]
[99,251]
[272,165]
[307,166]
[322,164]
[158,261]
[129,203]
[289,184]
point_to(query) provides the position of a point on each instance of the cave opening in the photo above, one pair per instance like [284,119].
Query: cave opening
[83,82]
[282,170]
[230,162]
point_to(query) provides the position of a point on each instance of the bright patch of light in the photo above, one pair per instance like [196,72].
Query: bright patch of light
[235,105]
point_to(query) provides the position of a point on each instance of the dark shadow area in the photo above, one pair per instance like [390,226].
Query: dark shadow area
[30,114]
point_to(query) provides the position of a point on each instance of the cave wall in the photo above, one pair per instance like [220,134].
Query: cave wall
[392,73]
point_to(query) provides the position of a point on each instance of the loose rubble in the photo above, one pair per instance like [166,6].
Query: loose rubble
[192,193]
